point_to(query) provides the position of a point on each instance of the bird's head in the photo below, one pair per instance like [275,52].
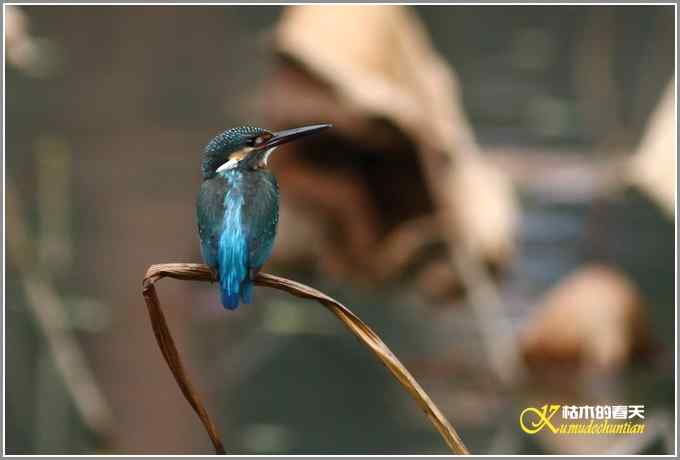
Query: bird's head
[248,148]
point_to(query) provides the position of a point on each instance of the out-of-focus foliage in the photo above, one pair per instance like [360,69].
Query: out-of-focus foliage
[108,109]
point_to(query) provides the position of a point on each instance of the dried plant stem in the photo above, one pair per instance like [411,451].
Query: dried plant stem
[364,333]
[171,355]
[498,339]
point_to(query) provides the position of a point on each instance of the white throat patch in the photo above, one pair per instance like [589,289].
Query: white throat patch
[265,157]
[231,164]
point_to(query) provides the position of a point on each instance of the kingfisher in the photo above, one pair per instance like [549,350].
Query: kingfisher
[238,206]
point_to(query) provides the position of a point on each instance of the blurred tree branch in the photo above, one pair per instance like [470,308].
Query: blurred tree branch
[364,333]
[49,311]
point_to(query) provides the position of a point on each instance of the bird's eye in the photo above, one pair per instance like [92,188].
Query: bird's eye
[259,140]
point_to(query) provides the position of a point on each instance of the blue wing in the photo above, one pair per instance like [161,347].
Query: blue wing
[261,216]
[210,214]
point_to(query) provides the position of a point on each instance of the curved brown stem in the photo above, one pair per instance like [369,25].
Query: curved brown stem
[364,333]
[171,355]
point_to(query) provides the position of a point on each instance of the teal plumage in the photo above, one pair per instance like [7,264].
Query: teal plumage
[238,207]
[237,239]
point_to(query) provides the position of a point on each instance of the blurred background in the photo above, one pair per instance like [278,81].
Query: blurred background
[497,200]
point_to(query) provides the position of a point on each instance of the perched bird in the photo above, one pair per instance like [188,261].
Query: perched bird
[238,206]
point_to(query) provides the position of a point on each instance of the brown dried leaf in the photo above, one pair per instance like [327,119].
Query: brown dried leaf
[654,167]
[373,72]
[593,319]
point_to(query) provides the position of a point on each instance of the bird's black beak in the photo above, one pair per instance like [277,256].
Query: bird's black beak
[282,137]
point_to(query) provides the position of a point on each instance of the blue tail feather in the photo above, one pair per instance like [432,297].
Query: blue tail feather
[234,284]
[247,291]
[230,301]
